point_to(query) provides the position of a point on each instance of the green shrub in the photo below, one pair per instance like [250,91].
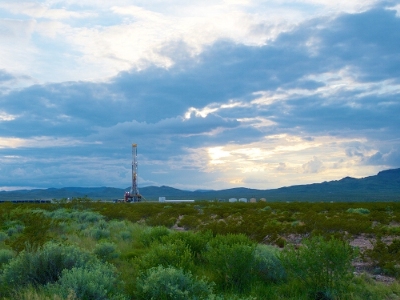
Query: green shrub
[153,234]
[29,227]
[81,216]
[266,208]
[164,219]
[231,259]
[361,211]
[3,236]
[176,254]
[167,283]
[58,214]
[32,293]
[125,235]
[190,222]
[323,266]
[106,251]
[386,258]
[87,216]
[18,228]
[97,281]
[267,264]
[196,241]
[42,266]
[230,239]
[5,256]
[97,233]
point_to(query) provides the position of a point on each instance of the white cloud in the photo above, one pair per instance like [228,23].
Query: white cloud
[40,142]
[341,5]
[257,122]
[213,108]
[42,10]
[397,9]
[334,84]
[313,166]
[6,117]
[10,142]
[139,35]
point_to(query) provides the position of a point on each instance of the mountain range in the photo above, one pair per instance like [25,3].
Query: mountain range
[385,186]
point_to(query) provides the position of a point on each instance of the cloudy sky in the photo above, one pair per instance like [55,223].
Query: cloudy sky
[217,94]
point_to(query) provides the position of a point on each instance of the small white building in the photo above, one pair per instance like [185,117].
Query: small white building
[253,200]
[232,200]
[243,200]
[163,199]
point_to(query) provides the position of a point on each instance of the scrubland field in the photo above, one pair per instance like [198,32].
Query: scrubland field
[202,250]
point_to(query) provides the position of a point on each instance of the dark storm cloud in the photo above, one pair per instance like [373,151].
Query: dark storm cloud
[166,128]
[228,71]
[390,158]
[149,106]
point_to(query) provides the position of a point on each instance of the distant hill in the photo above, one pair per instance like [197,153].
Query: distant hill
[385,186]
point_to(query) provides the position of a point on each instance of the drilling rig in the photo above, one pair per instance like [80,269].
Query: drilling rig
[133,195]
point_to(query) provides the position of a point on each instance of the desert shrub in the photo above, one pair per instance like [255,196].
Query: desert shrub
[365,287]
[386,258]
[168,283]
[3,236]
[87,216]
[176,254]
[153,234]
[361,211]
[81,216]
[230,239]
[196,241]
[32,293]
[106,251]
[43,265]
[266,208]
[96,281]
[162,219]
[116,226]
[18,228]
[323,266]
[231,258]
[125,235]
[267,264]
[5,256]
[190,222]
[25,229]
[97,233]
[58,214]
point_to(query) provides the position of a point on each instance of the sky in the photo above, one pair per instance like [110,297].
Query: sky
[216,94]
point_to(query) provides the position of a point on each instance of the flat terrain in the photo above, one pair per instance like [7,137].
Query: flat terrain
[356,243]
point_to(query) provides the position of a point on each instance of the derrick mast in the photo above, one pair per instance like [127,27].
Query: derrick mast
[134,188]
[133,195]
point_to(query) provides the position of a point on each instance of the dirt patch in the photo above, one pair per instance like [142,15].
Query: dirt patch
[362,242]
[294,239]
[176,226]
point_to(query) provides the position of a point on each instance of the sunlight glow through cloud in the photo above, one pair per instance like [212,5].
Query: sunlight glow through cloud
[287,155]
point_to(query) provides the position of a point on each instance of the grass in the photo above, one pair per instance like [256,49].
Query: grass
[132,242]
